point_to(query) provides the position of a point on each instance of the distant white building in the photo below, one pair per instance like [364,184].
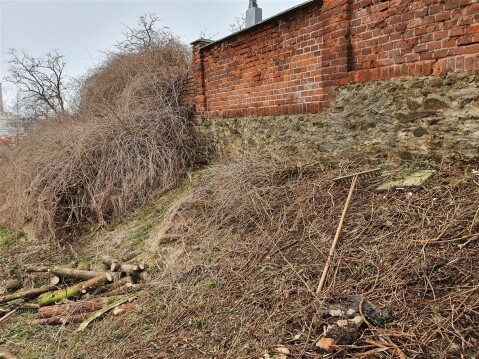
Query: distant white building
[10,126]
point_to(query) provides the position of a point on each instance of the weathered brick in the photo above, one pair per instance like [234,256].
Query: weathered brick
[291,65]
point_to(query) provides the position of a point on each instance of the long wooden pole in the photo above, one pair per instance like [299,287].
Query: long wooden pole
[336,237]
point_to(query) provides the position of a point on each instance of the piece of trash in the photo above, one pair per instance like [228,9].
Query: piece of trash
[327,344]
[279,352]
[414,179]
[297,336]
[336,312]
[358,320]
[342,323]
[375,316]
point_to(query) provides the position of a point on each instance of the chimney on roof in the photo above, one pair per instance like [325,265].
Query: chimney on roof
[254,14]
[1,99]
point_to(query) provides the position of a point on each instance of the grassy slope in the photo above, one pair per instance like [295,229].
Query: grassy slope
[240,252]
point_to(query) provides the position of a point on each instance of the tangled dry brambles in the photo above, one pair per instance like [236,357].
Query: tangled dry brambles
[131,136]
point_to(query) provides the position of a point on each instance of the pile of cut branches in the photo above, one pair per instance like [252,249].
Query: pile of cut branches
[66,296]
[131,137]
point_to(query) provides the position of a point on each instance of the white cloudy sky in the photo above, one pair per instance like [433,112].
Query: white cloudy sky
[81,28]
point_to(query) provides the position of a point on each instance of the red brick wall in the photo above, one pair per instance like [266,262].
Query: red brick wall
[291,64]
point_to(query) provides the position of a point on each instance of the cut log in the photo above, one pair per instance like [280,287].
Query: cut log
[70,273]
[117,266]
[68,319]
[107,260]
[55,280]
[128,268]
[105,310]
[30,293]
[13,284]
[72,291]
[37,269]
[113,276]
[72,308]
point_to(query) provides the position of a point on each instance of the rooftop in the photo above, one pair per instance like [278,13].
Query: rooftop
[265,21]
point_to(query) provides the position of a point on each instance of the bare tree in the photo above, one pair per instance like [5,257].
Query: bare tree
[145,35]
[206,34]
[238,24]
[41,81]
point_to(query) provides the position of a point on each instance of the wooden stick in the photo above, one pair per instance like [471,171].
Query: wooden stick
[25,294]
[397,349]
[72,273]
[9,314]
[60,320]
[336,237]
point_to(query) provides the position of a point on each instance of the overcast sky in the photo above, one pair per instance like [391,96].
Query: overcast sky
[81,28]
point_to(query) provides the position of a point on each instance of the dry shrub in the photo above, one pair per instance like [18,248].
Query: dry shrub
[250,247]
[130,137]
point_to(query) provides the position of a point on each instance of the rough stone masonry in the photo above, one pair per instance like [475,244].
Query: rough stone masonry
[402,119]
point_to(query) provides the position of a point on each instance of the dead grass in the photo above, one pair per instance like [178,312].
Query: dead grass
[237,273]
[131,137]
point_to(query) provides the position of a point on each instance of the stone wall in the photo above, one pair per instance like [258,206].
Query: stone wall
[291,63]
[397,119]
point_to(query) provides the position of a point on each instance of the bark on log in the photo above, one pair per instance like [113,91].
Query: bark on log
[30,293]
[84,266]
[107,260]
[70,273]
[105,310]
[72,291]
[73,308]
[61,320]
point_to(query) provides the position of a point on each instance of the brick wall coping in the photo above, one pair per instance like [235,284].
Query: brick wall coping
[265,21]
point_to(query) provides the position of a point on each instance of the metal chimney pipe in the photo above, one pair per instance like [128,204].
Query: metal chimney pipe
[254,14]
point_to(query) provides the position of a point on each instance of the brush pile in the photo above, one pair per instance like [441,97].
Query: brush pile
[71,288]
[130,137]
